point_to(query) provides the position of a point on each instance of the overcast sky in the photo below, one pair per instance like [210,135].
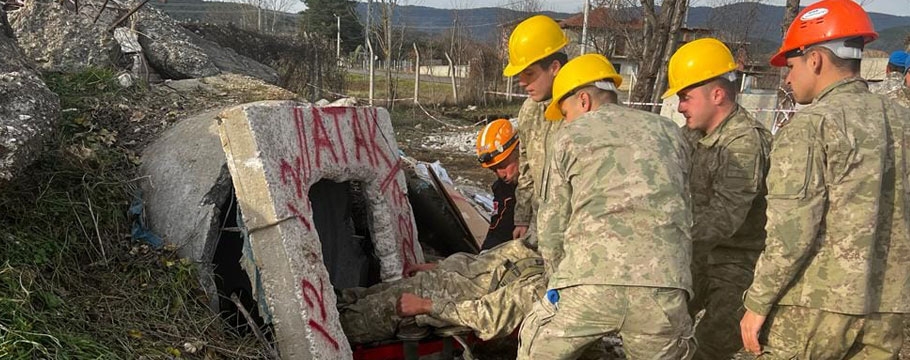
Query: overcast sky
[894,7]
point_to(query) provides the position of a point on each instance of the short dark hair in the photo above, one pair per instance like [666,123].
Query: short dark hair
[851,65]
[896,68]
[727,86]
[559,56]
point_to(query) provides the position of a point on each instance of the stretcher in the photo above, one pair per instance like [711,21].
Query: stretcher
[442,347]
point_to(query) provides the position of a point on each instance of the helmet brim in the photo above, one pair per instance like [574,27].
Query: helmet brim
[512,70]
[553,113]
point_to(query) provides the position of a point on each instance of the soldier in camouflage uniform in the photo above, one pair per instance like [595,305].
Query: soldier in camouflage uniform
[727,179]
[489,293]
[894,74]
[834,279]
[613,226]
[535,56]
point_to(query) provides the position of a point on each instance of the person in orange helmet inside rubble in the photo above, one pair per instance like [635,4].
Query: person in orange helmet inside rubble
[497,150]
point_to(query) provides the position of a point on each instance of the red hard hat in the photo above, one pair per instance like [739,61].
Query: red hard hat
[824,21]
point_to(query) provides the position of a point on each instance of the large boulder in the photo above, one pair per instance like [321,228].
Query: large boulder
[179,53]
[28,110]
[59,38]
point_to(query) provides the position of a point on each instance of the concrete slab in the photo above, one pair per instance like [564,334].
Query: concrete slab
[187,183]
[276,150]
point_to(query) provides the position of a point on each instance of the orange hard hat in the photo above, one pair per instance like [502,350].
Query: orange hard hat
[824,21]
[496,142]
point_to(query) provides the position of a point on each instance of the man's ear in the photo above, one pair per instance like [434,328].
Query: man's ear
[815,60]
[555,66]
[585,99]
[717,95]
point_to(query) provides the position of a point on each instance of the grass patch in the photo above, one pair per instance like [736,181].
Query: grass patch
[73,285]
[358,85]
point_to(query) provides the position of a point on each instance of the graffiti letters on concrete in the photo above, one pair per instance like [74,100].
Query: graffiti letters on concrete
[276,150]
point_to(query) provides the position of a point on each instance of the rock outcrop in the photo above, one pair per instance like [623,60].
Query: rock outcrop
[59,40]
[28,110]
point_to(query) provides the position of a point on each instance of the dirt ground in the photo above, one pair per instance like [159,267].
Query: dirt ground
[449,140]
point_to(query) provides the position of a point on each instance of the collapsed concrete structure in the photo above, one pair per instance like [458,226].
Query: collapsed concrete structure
[276,152]
[305,198]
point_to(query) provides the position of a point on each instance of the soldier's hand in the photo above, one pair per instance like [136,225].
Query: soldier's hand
[412,305]
[749,327]
[520,230]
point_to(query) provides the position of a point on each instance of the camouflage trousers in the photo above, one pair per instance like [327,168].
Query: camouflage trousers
[796,332]
[718,291]
[370,314]
[652,322]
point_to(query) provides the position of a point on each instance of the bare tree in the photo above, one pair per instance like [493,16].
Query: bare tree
[524,6]
[276,9]
[791,9]
[388,41]
[785,101]
[658,40]
[268,13]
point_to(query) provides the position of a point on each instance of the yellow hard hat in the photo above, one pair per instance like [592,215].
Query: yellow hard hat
[533,39]
[697,61]
[583,70]
[496,142]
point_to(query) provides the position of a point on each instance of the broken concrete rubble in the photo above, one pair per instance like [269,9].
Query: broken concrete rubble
[178,53]
[60,39]
[276,151]
[28,110]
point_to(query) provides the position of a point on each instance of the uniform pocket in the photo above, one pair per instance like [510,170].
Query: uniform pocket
[789,176]
[541,314]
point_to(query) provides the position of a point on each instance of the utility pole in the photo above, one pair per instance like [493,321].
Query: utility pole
[338,38]
[584,29]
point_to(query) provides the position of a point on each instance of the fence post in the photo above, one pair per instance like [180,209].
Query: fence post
[416,73]
[372,70]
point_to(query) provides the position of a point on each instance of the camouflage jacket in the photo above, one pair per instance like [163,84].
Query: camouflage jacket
[616,209]
[727,180]
[900,95]
[513,289]
[536,133]
[893,81]
[838,197]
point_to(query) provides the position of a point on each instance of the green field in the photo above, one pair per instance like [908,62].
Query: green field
[358,85]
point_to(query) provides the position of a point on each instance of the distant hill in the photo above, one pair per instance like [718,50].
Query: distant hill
[481,23]
[891,39]
[239,14]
